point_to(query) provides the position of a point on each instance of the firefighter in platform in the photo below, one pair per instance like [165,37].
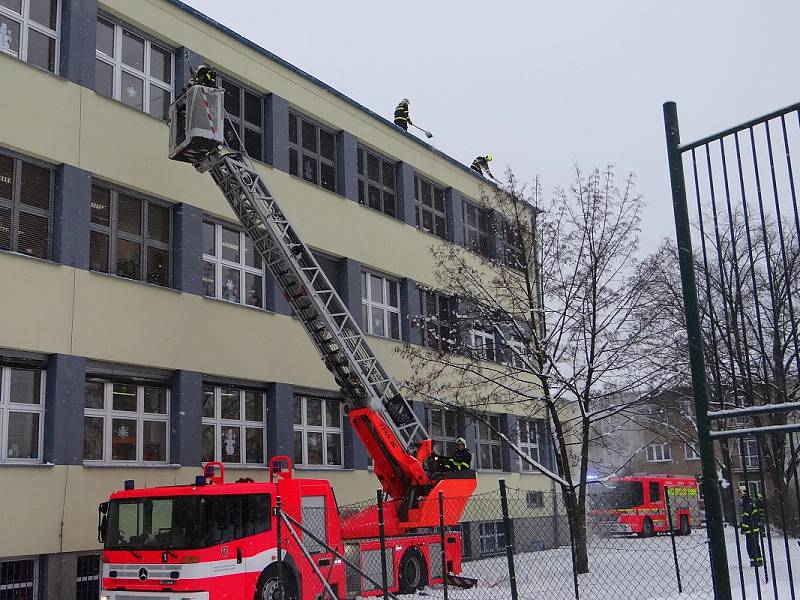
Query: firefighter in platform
[752,513]
[461,458]
[401,116]
[204,75]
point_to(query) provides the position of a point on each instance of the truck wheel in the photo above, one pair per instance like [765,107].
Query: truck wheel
[412,574]
[647,528]
[684,528]
[267,588]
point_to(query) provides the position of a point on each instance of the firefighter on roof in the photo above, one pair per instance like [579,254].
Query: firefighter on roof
[481,165]
[752,511]
[401,117]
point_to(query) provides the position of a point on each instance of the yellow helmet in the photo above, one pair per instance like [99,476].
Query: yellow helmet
[489,157]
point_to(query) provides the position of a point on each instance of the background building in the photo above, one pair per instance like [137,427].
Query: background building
[140,335]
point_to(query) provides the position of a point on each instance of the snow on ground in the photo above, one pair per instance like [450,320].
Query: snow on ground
[631,569]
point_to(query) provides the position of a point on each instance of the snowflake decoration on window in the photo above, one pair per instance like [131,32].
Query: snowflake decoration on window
[123,431]
[131,92]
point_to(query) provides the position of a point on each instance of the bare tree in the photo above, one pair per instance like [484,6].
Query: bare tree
[550,324]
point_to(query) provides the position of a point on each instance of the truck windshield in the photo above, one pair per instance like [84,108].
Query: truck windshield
[625,494]
[184,522]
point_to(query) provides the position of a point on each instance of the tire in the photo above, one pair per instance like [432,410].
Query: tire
[412,574]
[684,528]
[647,528]
[267,588]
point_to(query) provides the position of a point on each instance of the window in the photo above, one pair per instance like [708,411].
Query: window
[513,247]
[125,423]
[443,428]
[245,119]
[29,30]
[130,237]
[312,152]
[26,199]
[493,537]
[376,182]
[317,431]
[489,457]
[691,453]
[659,453]
[87,579]
[530,434]
[233,425]
[132,69]
[438,321]
[482,344]
[476,228]
[21,414]
[430,207]
[655,491]
[19,578]
[534,499]
[232,269]
[748,452]
[516,355]
[380,305]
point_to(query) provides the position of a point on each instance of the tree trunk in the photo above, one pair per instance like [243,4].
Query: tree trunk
[577,520]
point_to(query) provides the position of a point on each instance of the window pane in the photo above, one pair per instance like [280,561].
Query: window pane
[230,245]
[103,78]
[35,186]
[5,228]
[254,450]
[41,50]
[309,136]
[154,441]
[6,176]
[208,401]
[394,326]
[123,439]
[327,144]
[314,450]
[124,397]
[231,444]
[309,169]
[93,397]
[32,235]
[232,98]
[93,438]
[362,195]
[231,136]
[388,175]
[160,63]
[208,443]
[298,447]
[293,162]
[252,143]
[10,43]
[155,400]
[129,214]
[157,266]
[253,406]
[230,284]
[43,12]
[101,205]
[105,37]
[209,243]
[209,276]
[230,400]
[376,288]
[159,102]
[328,177]
[438,199]
[252,108]
[496,463]
[374,197]
[132,50]
[251,257]
[314,412]
[253,289]
[297,410]
[13,5]
[292,129]
[373,167]
[440,229]
[158,222]
[360,162]
[388,204]
[334,448]
[24,386]
[377,326]
[132,91]
[333,413]
[129,259]
[23,435]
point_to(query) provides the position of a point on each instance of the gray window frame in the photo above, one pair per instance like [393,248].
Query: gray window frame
[474,230]
[16,206]
[526,444]
[498,534]
[368,305]
[242,423]
[325,429]
[114,234]
[513,245]
[446,443]
[33,583]
[439,322]
[27,24]
[7,407]
[87,576]
[297,146]
[420,207]
[492,441]
[241,123]
[650,452]
[365,181]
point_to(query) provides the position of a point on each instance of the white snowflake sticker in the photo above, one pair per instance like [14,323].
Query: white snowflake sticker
[131,91]
[230,442]
[123,431]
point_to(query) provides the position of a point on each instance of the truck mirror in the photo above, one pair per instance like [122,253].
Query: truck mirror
[102,522]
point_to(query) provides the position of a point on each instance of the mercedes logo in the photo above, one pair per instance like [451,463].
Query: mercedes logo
[142,574]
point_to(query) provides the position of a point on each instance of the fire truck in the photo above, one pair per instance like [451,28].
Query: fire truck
[213,539]
[638,505]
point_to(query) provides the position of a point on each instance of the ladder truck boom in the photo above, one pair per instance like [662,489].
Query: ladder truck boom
[380,415]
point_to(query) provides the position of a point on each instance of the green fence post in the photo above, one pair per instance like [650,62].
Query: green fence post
[716,532]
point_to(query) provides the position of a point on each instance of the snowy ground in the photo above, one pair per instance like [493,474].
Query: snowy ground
[630,569]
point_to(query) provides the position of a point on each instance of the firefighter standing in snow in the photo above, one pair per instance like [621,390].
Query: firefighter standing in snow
[752,511]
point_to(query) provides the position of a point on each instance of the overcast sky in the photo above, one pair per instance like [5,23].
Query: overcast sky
[544,85]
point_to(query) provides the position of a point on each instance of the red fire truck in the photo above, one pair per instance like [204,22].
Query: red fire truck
[638,505]
[215,539]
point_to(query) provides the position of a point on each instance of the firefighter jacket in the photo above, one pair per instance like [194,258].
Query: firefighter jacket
[752,511]
[461,460]
[401,117]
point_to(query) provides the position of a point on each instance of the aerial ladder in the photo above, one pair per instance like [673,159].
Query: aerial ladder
[384,420]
